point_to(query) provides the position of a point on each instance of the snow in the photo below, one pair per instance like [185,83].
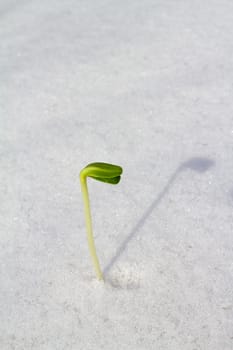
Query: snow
[147,85]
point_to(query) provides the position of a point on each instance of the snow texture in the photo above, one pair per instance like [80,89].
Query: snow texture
[147,85]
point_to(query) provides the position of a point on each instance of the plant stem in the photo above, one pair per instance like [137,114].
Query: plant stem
[90,238]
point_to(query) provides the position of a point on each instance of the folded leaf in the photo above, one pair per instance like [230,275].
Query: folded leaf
[104,172]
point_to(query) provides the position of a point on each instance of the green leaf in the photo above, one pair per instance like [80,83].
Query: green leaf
[113,180]
[104,172]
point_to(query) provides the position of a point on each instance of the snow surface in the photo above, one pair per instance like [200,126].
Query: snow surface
[147,85]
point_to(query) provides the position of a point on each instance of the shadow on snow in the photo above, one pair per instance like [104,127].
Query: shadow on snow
[199,165]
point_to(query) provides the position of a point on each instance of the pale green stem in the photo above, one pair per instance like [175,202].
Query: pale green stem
[90,238]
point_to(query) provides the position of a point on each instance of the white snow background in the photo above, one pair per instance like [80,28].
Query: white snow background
[147,85]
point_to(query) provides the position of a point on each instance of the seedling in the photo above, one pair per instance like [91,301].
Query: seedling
[102,172]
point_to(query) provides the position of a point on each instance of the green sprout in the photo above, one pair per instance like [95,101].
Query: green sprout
[104,172]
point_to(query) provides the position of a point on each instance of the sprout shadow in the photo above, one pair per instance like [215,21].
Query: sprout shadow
[197,164]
